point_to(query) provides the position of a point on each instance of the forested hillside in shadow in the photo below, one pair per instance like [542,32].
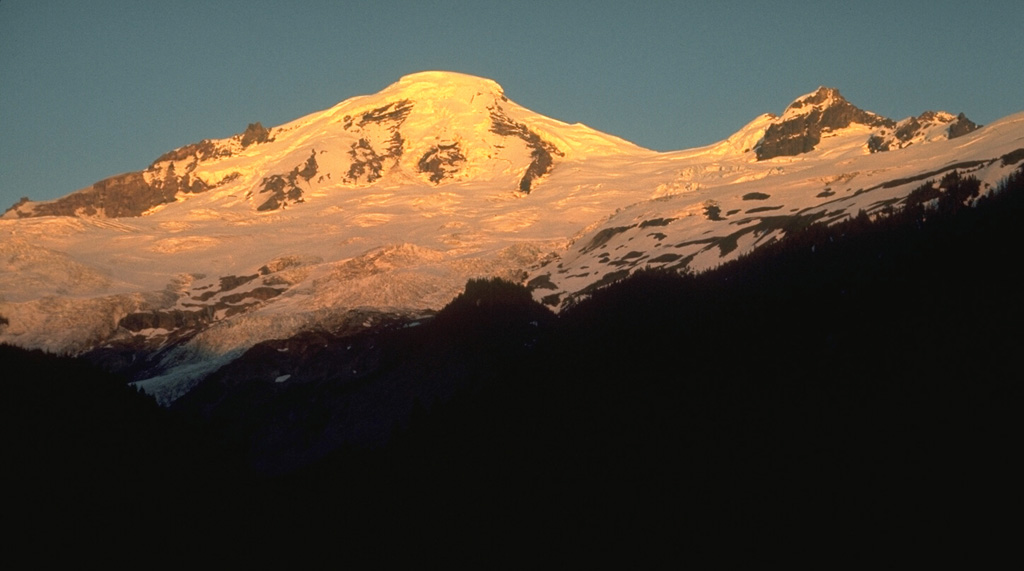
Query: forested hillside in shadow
[861,375]
[859,378]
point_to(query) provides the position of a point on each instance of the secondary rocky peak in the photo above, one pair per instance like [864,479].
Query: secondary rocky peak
[825,112]
[800,128]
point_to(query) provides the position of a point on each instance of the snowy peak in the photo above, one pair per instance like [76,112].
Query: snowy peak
[442,127]
[444,85]
[431,128]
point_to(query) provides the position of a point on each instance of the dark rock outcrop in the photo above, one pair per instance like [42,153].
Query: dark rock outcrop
[180,323]
[123,195]
[541,151]
[228,283]
[962,126]
[201,151]
[366,163]
[261,293]
[284,189]
[395,112]
[255,133]
[170,320]
[441,162]
[369,161]
[134,193]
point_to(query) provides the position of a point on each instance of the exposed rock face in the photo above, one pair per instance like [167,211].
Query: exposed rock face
[128,194]
[541,151]
[134,193]
[284,189]
[962,126]
[196,312]
[169,320]
[201,151]
[441,162]
[800,128]
[381,143]
[255,133]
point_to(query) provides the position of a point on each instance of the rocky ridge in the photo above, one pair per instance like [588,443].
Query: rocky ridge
[825,111]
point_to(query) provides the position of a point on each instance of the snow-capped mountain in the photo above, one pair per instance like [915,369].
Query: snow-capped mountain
[428,128]
[386,204]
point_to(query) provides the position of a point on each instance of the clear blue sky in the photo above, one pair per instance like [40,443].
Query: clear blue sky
[92,89]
